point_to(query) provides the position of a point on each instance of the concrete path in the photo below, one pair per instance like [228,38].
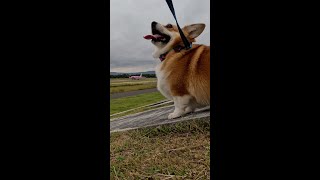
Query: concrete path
[153,117]
[132,93]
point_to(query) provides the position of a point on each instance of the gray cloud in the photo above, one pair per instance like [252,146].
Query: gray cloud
[130,20]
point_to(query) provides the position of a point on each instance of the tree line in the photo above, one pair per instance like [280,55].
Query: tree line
[128,75]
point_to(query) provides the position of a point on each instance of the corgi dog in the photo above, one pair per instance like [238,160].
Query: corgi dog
[182,75]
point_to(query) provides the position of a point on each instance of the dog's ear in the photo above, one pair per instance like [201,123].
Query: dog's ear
[194,30]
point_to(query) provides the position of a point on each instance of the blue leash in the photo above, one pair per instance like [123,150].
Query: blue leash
[184,39]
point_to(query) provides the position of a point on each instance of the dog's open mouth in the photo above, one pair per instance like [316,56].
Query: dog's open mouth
[157,36]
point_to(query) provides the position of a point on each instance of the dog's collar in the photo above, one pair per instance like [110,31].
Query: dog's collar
[177,48]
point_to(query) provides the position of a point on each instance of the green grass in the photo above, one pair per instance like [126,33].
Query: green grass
[126,103]
[174,151]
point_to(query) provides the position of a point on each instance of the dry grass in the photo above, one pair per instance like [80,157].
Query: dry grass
[131,83]
[176,151]
[116,80]
[132,87]
[124,84]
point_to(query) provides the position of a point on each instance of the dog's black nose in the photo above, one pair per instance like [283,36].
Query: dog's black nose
[153,24]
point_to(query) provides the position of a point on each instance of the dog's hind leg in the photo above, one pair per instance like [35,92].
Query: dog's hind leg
[182,106]
[190,109]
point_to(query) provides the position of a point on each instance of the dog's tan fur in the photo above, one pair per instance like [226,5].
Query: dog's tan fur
[184,76]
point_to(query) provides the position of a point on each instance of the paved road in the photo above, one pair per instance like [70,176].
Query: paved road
[132,93]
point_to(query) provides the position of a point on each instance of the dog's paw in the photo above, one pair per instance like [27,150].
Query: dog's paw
[189,110]
[173,115]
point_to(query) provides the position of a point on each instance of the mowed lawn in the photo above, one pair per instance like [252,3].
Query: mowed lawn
[174,151]
[126,103]
[125,84]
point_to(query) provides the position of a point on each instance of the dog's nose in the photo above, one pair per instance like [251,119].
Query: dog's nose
[153,24]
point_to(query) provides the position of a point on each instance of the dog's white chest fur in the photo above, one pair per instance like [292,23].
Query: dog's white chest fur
[162,84]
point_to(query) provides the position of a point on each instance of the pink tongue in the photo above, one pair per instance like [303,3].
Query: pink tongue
[152,36]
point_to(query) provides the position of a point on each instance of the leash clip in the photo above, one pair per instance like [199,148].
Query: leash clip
[189,47]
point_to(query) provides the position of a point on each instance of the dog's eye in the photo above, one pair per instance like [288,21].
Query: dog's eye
[168,26]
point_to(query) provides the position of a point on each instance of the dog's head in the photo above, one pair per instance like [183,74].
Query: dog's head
[165,37]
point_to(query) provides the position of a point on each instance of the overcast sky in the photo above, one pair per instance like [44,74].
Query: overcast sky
[130,20]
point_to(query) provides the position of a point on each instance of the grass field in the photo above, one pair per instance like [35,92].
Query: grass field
[125,84]
[175,151]
[126,103]
[115,80]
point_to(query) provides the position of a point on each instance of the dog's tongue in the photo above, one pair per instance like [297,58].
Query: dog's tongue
[152,36]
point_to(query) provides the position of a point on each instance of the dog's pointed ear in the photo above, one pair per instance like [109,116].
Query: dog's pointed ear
[194,30]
